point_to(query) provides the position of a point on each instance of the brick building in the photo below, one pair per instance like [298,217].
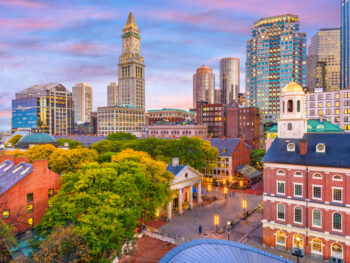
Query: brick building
[173,116]
[178,131]
[25,190]
[245,122]
[306,200]
[212,115]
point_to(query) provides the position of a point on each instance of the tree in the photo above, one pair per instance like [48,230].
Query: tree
[256,157]
[120,136]
[7,239]
[14,140]
[15,152]
[63,245]
[41,152]
[102,146]
[70,160]
[72,144]
[105,157]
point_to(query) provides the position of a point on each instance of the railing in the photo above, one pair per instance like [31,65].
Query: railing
[159,237]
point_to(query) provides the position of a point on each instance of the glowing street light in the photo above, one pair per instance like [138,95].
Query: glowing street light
[216,222]
[228,230]
[244,205]
[225,192]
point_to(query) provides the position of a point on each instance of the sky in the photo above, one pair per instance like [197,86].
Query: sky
[70,41]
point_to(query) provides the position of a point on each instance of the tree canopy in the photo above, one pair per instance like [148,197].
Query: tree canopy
[120,136]
[256,157]
[14,140]
[72,144]
[7,239]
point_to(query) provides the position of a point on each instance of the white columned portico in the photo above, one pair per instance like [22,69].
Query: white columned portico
[199,194]
[191,196]
[169,209]
[180,201]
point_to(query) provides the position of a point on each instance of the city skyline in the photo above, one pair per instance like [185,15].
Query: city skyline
[84,44]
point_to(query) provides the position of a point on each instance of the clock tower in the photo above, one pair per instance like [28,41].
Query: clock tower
[131,68]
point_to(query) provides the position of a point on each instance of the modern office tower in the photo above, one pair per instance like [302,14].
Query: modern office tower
[46,107]
[217,96]
[82,98]
[229,80]
[112,94]
[345,43]
[131,77]
[276,55]
[323,60]
[203,86]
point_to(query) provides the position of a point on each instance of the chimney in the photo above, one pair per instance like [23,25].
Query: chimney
[175,161]
[303,147]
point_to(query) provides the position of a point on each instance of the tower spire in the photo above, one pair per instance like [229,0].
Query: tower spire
[130,26]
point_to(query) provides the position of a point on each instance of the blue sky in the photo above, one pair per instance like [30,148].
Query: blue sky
[79,41]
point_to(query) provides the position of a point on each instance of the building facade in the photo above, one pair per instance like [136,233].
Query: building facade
[23,201]
[120,119]
[82,99]
[323,60]
[217,96]
[229,80]
[177,131]
[47,107]
[306,200]
[131,68]
[170,116]
[203,86]
[275,55]
[213,116]
[112,94]
[345,43]
[333,105]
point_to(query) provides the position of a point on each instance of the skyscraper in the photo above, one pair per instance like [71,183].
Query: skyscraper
[131,77]
[276,54]
[82,98]
[323,60]
[203,86]
[229,80]
[112,94]
[345,44]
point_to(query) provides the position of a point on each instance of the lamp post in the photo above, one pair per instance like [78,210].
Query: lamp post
[225,192]
[228,230]
[297,252]
[216,222]
[244,205]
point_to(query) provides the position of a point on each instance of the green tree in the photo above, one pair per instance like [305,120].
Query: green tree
[105,157]
[72,144]
[7,239]
[120,136]
[102,146]
[255,158]
[14,140]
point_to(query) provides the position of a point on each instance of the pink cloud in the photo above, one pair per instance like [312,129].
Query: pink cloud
[5,114]
[172,101]
[83,48]
[23,3]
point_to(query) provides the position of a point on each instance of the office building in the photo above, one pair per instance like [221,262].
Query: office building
[203,86]
[217,96]
[323,60]
[345,43]
[112,94]
[82,99]
[276,55]
[46,107]
[131,67]
[229,80]
[213,116]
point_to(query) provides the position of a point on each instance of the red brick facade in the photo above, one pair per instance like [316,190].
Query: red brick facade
[212,115]
[316,206]
[38,182]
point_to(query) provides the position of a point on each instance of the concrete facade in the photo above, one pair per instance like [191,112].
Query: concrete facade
[178,131]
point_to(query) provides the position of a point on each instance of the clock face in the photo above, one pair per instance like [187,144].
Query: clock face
[126,43]
[136,46]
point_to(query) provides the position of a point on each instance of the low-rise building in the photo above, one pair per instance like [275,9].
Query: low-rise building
[178,131]
[25,190]
[170,116]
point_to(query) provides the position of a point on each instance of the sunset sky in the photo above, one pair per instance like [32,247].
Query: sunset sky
[69,41]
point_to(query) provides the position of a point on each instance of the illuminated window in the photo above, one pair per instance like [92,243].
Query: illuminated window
[320,112]
[316,246]
[6,214]
[337,251]
[281,238]
[298,241]
[30,208]
[30,222]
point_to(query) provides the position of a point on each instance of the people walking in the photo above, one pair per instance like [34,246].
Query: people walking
[200,229]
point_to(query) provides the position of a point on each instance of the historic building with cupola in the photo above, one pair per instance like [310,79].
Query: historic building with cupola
[306,198]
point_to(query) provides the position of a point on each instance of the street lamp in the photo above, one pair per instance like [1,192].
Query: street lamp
[228,230]
[244,205]
[297,252]
[225,192]
[216,222]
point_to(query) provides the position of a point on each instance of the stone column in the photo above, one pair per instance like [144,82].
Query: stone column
[199,193]
[169,209]
[180,201]
[191,196]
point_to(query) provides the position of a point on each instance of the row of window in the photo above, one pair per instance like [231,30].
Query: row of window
[314,176]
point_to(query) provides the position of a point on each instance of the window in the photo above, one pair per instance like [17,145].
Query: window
[30,197]
[337,194]
[281,238]
[337,178]
[280,211]
[316,176]
[30,208]
[337,250]
[51,192]
[290,106]
[290,147]
[297,214]
[298,174]
[298,106]
[298,190]
[320,148]
[317,192]
[280,188]
[280,172]
[316,218]
[316,246]
[290,127]
[30,222]
[336,221]
[6,214]
[320,112]
[298,241]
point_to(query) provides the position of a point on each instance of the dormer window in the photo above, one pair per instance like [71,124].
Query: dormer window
[320,148]
[291,147]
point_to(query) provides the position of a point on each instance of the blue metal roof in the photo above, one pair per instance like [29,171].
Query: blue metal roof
[85,140]
[175,170]
[226,146]
[218,251]
[337,152]
[11,175]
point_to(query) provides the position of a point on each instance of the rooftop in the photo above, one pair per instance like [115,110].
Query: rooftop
[315,126]
[225,146]
[175,169]
[164,109]
[36,138]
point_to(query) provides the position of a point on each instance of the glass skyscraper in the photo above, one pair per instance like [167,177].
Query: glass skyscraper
[276,55]
[345,49]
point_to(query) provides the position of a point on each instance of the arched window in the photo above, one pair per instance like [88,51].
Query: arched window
[337,251]
[316,246]
[298,106]
[281,238]
[337,221]
[298,216]
[316,218]
[298,241]
[280,211]
[298,174]
[290,106]
[280,172]
[317,176]
[337,178]
[284,110]
[290,127]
